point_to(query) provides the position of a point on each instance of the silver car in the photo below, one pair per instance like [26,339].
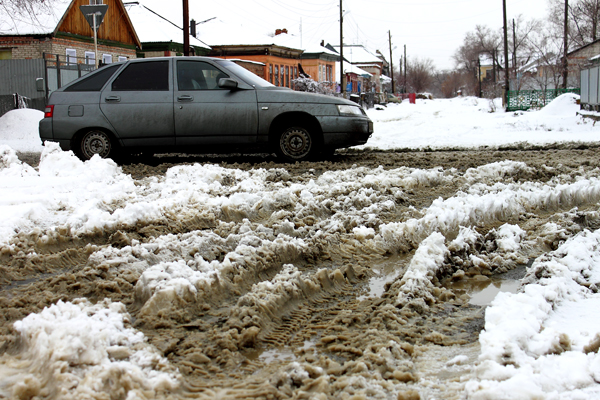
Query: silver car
[196,105]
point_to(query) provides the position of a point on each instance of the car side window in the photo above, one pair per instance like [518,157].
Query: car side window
[198,75]
[143,76]
[95,82]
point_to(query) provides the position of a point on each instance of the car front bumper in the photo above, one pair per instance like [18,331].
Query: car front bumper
[341,132]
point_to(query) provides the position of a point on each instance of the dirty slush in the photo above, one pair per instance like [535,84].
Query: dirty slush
[318,293]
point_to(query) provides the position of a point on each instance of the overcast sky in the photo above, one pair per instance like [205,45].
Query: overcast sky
[429,28]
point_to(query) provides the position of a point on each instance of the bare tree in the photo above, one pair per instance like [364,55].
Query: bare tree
[14,11]
[584,20]
[419,74]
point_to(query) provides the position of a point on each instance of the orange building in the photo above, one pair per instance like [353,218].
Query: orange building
[280,63]
[282,56]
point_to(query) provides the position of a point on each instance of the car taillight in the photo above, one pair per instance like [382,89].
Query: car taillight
[48,111]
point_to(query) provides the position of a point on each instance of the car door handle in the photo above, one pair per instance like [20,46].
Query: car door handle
[185,98]
[112,99]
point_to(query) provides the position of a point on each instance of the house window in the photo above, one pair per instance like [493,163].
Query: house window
[271,73]
[5,54]
[287,76]
[106,58]
[71,56]
[90,58]
[96,2]
[282,70]
[122,58]
[276,76]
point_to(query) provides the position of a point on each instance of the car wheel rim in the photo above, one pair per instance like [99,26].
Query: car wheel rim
[96,143]
[296,143]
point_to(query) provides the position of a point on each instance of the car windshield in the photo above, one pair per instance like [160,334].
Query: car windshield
[248,77]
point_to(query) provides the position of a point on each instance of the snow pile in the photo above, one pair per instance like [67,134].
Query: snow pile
[19,130]
[469,122]
[564,105]
[416,284]
[65,192]
[79,350]
[541,342]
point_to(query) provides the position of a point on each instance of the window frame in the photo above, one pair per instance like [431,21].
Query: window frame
[71,55]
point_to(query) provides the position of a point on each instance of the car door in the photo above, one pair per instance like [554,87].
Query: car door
[139,104]
[208,115]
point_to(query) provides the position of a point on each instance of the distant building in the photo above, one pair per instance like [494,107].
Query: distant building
[284,56]
[360,57]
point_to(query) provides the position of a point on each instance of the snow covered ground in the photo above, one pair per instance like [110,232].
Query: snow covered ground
[541,342]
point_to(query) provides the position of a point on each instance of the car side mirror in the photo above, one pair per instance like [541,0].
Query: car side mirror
[228,83]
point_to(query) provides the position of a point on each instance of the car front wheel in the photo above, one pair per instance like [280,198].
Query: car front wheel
[95,142]
[295,144]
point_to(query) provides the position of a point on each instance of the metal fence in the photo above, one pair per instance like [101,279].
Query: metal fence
[526,99]
[31,81]
[62,69]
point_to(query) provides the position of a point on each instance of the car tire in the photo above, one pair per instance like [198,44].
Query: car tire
[95,142]
[295,143]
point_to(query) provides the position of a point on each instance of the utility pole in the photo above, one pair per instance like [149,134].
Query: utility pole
[566,46]
[186,28]
[514,57]
[391,62]
[506,81]
[405,83]
[479,72]
[342,74]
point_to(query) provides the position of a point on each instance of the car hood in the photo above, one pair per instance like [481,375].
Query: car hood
[285,95]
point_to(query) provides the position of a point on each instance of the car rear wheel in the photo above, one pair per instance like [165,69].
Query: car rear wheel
[95,142]
[295,144]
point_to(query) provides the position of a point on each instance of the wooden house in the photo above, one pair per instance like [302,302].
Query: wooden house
[64,31]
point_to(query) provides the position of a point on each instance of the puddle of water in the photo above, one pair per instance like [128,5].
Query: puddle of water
[485,297]
[482,292]
[278,354]
[386,270]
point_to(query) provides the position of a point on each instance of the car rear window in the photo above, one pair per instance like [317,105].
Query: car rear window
[143,76]
[95,81]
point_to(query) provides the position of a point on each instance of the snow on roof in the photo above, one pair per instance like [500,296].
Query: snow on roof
[42,21]
[150,27]
[357,54]
[221,32]
[353,69]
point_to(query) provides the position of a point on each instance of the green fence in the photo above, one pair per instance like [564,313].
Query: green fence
[526,99]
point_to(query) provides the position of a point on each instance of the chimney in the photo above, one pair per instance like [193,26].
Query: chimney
[280,31]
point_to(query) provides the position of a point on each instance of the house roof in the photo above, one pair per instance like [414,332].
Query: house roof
[353,69]
[358,54]
[583,47]
[224,32]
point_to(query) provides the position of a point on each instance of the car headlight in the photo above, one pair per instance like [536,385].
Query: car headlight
[349,110]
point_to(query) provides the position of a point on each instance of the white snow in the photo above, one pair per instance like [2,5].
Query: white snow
[468,122]
[534,341]
[75,347]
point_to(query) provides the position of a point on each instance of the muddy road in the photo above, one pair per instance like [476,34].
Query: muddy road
[366,276]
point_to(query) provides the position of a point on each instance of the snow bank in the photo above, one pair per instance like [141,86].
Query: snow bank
[541,342]
[469,122]
[79,350]
[19,130]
